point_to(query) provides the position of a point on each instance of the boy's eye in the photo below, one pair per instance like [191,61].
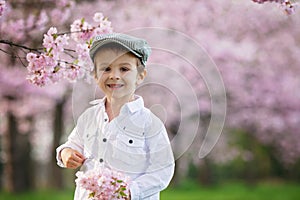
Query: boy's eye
[103,68]
[106,69]
[124,69]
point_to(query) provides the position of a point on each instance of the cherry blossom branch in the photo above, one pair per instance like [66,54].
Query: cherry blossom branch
[287,5]
[49,67]
[10,43]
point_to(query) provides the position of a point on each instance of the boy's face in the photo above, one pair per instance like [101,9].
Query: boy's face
[116,73]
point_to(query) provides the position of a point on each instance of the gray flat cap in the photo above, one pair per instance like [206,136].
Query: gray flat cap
[139,47]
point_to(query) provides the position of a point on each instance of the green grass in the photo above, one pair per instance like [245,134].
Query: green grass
[38,195]
[190,191]
[235,191]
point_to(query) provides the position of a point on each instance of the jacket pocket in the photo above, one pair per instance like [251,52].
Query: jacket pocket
[130,151]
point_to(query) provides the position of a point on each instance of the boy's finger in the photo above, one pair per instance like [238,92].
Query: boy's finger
[73,164]
[81,156]
[76,163]
[78,157]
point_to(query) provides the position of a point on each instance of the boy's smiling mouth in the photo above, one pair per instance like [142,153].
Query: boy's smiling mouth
[115,86]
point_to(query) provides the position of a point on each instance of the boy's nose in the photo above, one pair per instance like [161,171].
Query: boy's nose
[114,75]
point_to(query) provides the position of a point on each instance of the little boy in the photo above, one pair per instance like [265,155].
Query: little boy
[118,131]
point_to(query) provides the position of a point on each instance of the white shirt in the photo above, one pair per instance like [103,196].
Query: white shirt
[135,143]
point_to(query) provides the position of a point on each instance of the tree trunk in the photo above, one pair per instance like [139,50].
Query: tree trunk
[177,177]
[58,130]
[206,173]
[17,168]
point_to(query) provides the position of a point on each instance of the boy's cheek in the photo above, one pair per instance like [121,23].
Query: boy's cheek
[97,76]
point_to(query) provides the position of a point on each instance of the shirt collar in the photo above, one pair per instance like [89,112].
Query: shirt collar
[101,102]
[132,106]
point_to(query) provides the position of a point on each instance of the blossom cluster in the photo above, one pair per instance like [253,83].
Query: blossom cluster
[104,184]
[46,67]
[83,31]
[66,56]
[17,28]
[2,7]
[287,5]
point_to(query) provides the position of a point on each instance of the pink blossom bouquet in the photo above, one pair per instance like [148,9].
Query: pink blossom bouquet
[104,184]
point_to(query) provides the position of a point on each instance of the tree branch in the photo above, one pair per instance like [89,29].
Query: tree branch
[10,43]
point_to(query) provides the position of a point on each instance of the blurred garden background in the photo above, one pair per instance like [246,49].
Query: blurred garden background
[255,48]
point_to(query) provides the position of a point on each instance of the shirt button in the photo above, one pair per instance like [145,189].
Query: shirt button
[130,141]
[105,119]
[101,160]
[104,139]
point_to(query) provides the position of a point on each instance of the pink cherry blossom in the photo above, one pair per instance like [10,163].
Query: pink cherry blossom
[2,7]
[60,16]
[39,78]
[104,184]
[81,30]
[43,19]
[52,31]
[15,29]
[82,50]
[30,22]
[63,61]
[48,41]
[75,26]
[61,42]
[98,17]
[31,57]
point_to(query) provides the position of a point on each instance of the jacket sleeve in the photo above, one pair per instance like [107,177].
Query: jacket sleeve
[74,141]
[161,164]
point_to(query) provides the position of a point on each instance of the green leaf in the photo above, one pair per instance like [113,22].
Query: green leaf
[54,35]
[92,194]
[76,61]
[56,69]
[89,42]
[123,194]
[50,50]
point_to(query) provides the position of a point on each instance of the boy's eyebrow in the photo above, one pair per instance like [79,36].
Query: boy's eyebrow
[124,63]
[103,64]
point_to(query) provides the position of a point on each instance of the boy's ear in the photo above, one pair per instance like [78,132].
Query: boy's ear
[141,77]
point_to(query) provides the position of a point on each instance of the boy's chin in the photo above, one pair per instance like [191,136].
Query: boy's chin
[122,96]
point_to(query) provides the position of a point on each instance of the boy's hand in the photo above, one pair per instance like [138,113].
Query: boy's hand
[71,158]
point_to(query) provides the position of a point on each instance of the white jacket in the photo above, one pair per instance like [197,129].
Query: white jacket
[135,143]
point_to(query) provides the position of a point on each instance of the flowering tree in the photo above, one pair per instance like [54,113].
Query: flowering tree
[56,60]
[258,68]
[21,102]
[247,49]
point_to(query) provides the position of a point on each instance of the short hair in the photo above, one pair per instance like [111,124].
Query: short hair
[117,48]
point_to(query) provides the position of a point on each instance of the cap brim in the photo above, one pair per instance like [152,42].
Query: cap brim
[97,46]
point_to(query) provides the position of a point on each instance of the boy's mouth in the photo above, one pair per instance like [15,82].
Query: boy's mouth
[114,86]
